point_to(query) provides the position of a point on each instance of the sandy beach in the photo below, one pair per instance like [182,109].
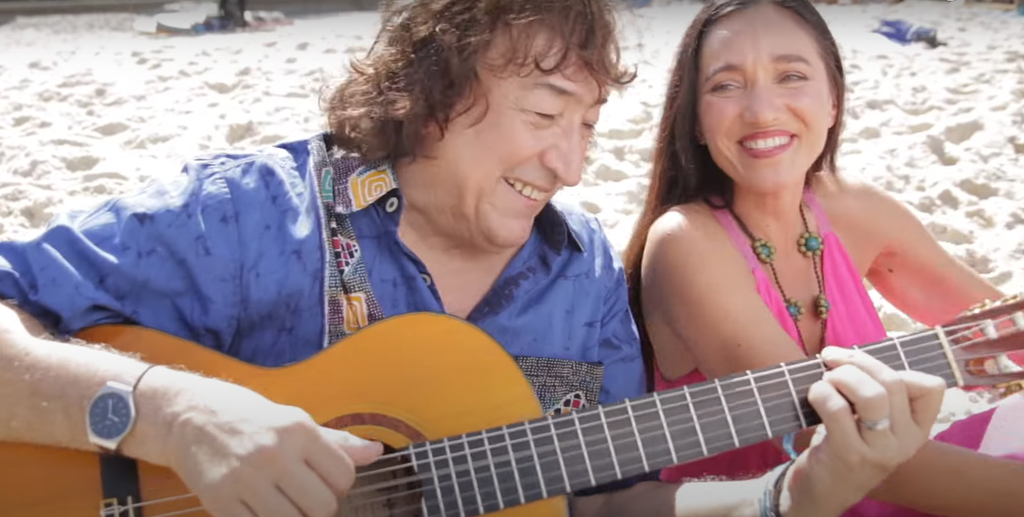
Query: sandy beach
[93,109]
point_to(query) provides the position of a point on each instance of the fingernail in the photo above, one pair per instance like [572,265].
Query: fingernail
[831,352]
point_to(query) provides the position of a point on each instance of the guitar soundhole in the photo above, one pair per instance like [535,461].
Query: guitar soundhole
[387,488]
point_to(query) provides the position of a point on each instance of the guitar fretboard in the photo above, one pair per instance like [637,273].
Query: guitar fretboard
[487,471]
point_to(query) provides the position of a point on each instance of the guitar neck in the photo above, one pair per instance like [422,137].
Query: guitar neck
[489,470]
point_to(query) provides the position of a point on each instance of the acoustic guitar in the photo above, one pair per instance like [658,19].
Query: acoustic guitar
[465,434]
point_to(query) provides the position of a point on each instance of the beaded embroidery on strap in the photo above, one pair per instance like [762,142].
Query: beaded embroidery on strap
[348,296]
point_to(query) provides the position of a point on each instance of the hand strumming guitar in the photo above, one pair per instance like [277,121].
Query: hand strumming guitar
[244,455]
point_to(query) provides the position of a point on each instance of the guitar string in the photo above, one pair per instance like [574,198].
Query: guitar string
[973,327]
[655,450]
[528,493]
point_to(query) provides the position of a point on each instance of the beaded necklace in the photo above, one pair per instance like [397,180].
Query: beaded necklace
[811,245]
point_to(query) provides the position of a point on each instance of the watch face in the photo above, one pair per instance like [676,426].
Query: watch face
[110,415]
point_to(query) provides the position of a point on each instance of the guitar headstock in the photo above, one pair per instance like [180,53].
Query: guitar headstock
[987,342]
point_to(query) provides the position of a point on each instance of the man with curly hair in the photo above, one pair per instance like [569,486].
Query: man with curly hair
[430,192]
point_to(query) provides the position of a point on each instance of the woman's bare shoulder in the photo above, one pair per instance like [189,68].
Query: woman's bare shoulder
[833,189]
[855,202]
[688,238]
[690,223]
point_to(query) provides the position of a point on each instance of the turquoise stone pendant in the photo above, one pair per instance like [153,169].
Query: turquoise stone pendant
[822,306]
[764,250]
[811,244]
[796,310]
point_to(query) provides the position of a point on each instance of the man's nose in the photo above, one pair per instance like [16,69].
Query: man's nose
[565,156]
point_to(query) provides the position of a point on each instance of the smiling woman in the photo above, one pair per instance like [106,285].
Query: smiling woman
[752,249]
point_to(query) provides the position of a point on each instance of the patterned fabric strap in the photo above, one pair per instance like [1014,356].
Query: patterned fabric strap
[349,299]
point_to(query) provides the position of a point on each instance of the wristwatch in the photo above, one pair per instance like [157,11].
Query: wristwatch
[111,416]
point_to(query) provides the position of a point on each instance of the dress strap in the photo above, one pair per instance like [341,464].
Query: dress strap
[739,239]
[818,211]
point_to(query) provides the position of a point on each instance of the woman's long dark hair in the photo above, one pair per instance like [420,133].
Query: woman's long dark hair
[683,170]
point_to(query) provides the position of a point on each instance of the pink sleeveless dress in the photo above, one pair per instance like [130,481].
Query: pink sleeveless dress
[852,321]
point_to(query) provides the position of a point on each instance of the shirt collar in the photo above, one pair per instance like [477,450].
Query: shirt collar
[372,182]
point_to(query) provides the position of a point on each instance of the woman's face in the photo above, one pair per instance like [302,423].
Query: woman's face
[765,104]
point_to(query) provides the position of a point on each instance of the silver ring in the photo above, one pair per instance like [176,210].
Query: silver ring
[875,425]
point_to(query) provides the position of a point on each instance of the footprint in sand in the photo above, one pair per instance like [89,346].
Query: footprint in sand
[938,147]
[80,163]
[977,189]
[111,128]
[960,132]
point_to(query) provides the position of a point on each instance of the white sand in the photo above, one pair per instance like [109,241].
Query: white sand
[91,109]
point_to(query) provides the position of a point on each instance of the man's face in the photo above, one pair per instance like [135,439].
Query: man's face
[524,138]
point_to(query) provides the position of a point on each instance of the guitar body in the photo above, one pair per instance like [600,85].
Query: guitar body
[407,379]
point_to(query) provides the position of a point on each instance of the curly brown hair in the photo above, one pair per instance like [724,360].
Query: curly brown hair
[424,64]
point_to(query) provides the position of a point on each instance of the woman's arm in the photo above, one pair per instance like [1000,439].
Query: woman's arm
[911,269]
[945,479]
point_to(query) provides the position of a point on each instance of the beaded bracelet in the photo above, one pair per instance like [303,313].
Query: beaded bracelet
[773,491]
[787,445]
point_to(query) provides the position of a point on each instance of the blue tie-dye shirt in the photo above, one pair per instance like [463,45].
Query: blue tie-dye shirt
[232,254]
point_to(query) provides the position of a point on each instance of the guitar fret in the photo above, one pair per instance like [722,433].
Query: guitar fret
[536,462]
[636,433]
[792,391]
[725,409]
[558,452]
[515,469]
[760,405]
[437,480]
[611,446]
[527,463]
[899,348]
[462,457]
[664,424]
[941,334]
[696,423]
[472,475]
[484,488]
[494,473]
[583,446]
[455,481]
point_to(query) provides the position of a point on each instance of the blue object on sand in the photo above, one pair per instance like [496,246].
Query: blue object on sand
[905,33]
